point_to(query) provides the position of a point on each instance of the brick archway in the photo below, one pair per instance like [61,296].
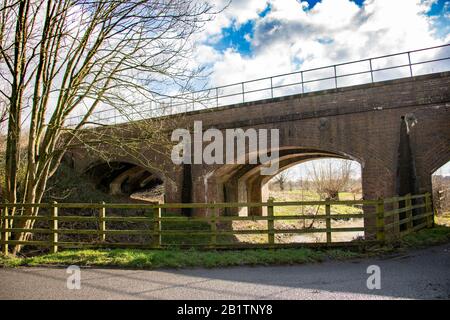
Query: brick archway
[123,178]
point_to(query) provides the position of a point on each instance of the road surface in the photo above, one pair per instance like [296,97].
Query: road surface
[422,274]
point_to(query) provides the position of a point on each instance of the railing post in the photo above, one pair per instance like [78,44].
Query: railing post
[271,87]
[396,217]
[381,236]
[5,234]
[243,93]
[429,210]
[328,219]
[371,69]
[54,247]
[102,222]
[303,83]
[157,228]
[410,65]
[214,227]
[270,222]
[217,97]
[335,77]
[408,205]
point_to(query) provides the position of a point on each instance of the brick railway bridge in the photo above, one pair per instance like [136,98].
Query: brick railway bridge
[397,130]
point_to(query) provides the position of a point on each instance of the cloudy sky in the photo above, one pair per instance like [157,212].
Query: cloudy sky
[258,38]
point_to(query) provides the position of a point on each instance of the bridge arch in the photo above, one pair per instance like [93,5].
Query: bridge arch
[430,145]
[127,179]
[441,188]
[244,182]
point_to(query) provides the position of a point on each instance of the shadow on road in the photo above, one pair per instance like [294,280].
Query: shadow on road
[421,274]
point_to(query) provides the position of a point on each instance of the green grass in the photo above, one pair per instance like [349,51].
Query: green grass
[297,210]
[307,195]
[153,259]
[427,237]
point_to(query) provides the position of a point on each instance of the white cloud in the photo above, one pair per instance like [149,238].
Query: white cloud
[236,11]
[290,36]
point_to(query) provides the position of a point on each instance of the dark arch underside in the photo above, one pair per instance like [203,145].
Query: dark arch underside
[126,179]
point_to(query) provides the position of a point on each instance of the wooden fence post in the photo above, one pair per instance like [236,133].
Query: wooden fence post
[429,210]
[328,219]
[54,247]
[396,217]
[102,222]
[214,228]
[381,236]
[270,222]
[5,234]
[408,205]
[157,227]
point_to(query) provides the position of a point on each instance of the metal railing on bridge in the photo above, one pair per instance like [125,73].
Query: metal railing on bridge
[370,70]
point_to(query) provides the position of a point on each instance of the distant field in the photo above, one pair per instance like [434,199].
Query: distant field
[443,220]
[305,195]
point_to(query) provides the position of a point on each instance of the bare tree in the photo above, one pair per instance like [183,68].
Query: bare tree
[66,57]
[3,115]
[282,178]
[355,187]
[330,178]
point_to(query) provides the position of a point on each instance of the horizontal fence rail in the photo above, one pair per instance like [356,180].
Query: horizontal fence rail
[408,214]
[161,229]
[370,70]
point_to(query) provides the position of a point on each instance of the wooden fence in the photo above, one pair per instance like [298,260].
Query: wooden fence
[393,217]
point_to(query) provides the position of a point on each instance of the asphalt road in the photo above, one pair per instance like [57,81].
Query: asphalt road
[423,274]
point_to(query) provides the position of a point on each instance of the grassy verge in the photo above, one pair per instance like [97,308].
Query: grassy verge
[152,259]
[427,237]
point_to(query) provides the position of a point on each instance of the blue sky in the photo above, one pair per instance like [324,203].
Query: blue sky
[438,7]
[236,35]
[312,3]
